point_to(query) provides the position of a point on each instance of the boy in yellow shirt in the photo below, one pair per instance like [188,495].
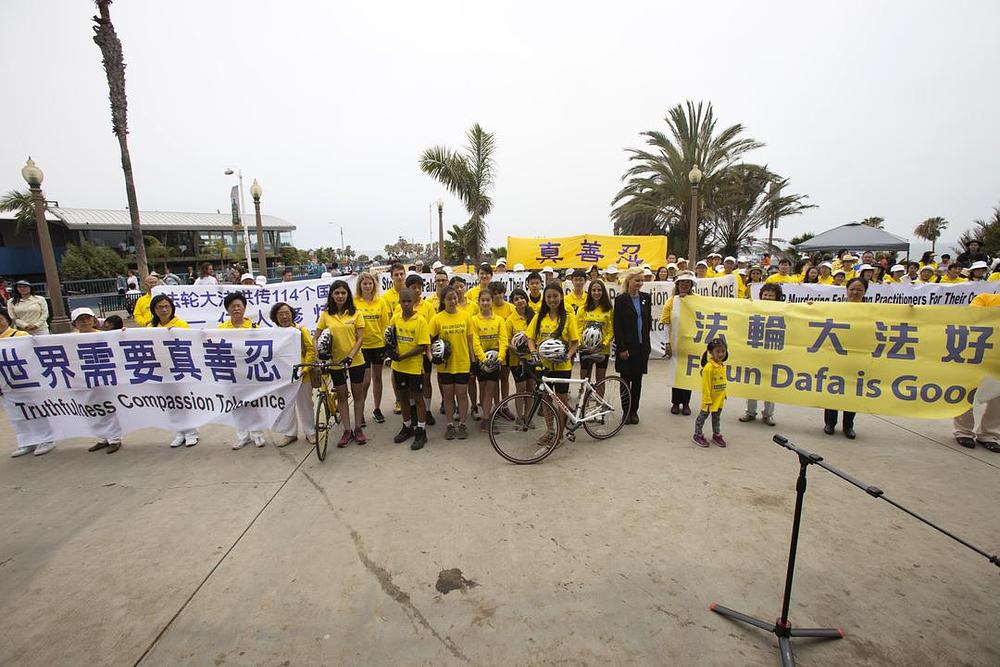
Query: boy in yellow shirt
[412,339]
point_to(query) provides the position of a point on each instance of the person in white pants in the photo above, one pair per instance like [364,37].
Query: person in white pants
[988,433]
[284,316]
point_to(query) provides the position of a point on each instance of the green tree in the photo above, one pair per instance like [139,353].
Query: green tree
[793,245]
[114,67]
[156,251]
[403,249]
[469,176]
[88,261]
[498,252]
[930,230]
[656,198]
[456,245]
[20,204]
[364,259]
[987,232]
[874,221]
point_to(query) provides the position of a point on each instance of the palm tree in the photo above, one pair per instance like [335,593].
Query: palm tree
[457,244]
[470,177]
[930,230]
[21,205]
[793,245]
[874,221]
[656,198]
[114,67]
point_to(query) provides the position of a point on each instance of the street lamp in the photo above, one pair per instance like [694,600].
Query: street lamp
[440,203]
[694,178]
[242,209]
[256,191]
[342,248]
[33,176]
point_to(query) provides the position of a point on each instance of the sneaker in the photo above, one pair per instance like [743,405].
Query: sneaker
[404,434]
[259,439]
[748,418]
[379,417]
[449,433]
[345,439]
[191,439]
[476,413]
[442,407]
[96,447]
[21,451]
[396,410]
[675,409]
[287,440]
[178,440]
[430,419]
[114,446]
[44,448]
[242,442]
[700,440]
[463,432]
[768,420]
[718,439]
[359,436]
[419,439]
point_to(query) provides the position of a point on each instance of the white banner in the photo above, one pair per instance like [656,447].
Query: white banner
[110,384]
[924,294]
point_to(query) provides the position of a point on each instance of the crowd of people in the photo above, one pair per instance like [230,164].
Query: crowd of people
[476,341]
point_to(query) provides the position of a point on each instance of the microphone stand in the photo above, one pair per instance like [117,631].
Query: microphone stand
[782,628]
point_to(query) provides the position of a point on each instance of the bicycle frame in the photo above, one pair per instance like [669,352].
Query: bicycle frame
[576,418]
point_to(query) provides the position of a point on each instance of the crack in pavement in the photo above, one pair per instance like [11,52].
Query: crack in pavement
[385,578]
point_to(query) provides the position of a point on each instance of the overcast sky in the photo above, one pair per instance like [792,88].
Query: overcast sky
[870,108]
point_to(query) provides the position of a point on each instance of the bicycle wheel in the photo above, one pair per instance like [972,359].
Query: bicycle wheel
[610,399]
[532,435]
[322,425]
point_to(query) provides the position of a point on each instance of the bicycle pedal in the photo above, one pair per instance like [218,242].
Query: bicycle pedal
[571,437]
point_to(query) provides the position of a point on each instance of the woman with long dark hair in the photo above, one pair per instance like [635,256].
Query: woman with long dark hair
[452,325]
[347,327]
[554,322]
[633,322]
[29,312]
[598,314]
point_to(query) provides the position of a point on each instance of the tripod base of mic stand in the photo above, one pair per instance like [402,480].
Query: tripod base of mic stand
[782,630]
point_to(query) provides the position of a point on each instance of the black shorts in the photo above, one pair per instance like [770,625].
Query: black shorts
[587,363]
[374,355]
[453,378]
[357,375]
[558,387]
[427,366]
[483,376]
[520,373]
[408,382]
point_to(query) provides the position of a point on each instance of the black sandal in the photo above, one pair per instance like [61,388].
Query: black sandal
[966,442]
[992,446]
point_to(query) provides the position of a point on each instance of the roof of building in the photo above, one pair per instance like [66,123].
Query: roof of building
[95,218]
[854,235]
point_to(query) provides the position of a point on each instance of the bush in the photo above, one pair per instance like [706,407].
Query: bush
[88,261]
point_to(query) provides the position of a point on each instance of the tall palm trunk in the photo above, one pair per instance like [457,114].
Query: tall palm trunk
[114,67]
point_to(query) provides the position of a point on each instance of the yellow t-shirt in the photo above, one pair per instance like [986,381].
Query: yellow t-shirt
[410,333]
[995,276]
[604,319]
[141,313]
[945,279]
[849,275]
[489,334]
[536,303]
[391,299]
[376,320]
[713,386]
[174,323]
[343,327]
[424,308]
[228,324]
[825,280]
[574,303]
[504,310]
[10,332]
[546,329]
[455,329]
[514,324]
[778,278]
[472,294]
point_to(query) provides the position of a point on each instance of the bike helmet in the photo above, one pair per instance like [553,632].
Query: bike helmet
[492,361]
[552,349]
[390,336]
[440,350]
[592,338]
[519,343]
[324,345]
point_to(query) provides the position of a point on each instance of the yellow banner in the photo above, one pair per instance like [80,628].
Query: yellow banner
[585,250]
[910,361]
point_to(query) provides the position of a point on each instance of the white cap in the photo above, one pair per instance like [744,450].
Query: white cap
[77,312]
[840,272]
[326,275]
[928,267]
[154,274]
[730,258]
[548,269]
[714,254]
[671,265]
[865,267]
[519,267]
[647,271]
[611,270]
[448,269]
[702,262]
[261,280]
[827,265]
[681,259]
[437,265]
[897,267]
[246,276]
[647,266]
[502,260]
[978,265]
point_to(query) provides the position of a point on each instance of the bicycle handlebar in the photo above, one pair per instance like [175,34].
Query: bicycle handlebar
[297,369]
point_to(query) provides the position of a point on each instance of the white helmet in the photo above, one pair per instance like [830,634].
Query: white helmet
[492,361]
[324,345]
[552,349]
[440,349]
[519,343]
[390,336]
[592,338]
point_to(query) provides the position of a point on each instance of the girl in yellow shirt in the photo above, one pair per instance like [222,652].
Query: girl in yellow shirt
[376,313]
[713,392]
[552,321]
[347,327]
[503,310]
[489,335]
[284,317]
[236,305]
[452,325]
[597,313]
[164,315]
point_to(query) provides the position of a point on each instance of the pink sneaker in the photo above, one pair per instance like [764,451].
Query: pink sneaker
[345,439]
[359,436]
[700,440]
[719,440]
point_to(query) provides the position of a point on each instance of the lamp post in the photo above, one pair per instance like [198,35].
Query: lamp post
[243,222]
[694,178]
[256,191]
[440,203]
[33,177]
[342,246]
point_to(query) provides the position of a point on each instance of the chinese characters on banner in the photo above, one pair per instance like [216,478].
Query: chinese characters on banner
[107,384]
[585,250]
[879,358]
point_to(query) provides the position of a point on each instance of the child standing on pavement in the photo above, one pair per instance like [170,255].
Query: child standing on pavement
[713,392]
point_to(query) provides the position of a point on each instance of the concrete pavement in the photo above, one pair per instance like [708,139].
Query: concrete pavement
[606,553]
